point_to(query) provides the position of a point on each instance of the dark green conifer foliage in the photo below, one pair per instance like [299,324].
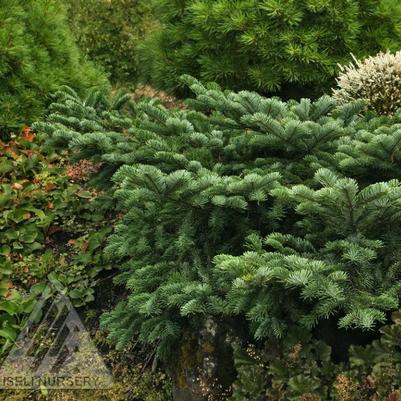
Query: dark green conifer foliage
[38,54]
[289,47]
[374,152]
[239,207]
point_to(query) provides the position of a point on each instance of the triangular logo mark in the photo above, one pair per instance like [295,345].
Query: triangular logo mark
[57,353]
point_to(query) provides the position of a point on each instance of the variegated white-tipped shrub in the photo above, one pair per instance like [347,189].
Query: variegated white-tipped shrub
[377,80]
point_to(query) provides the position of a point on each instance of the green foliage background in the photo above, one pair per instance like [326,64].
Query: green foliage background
[290,48]
[109,32]
[37,54]
[275,220]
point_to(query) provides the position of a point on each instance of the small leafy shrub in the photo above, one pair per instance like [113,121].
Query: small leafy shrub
[291,48]
[295,368]
[374,369]
[32,194]
[51,231]
[300,368]
[109,31]
[376,80]
[38,54]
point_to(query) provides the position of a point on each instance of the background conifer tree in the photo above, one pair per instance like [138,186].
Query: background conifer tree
[38,54]
[291,48]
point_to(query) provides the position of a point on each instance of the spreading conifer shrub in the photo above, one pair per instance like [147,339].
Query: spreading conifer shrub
[262,215]
[109,33]
[279,220]
[38,54]
[287,47]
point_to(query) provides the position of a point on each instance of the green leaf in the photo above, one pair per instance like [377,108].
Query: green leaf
[85,194]
[9,333]
[43,390]
[5,166]
[10,307]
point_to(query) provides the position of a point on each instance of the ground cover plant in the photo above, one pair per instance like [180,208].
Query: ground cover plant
[47,236]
